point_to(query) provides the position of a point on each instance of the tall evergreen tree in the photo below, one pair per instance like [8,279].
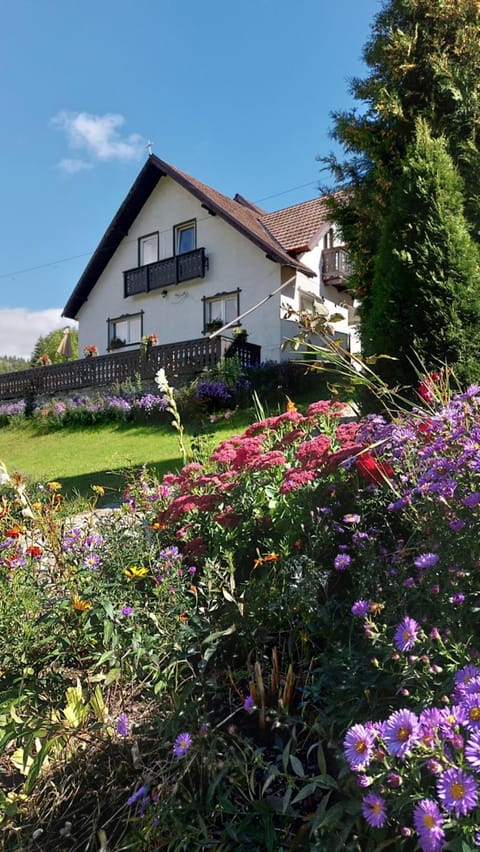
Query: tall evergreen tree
[425,295]
[424,61]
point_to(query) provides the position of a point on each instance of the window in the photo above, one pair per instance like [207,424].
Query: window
[328,239]
[185,236]
[125,330]
[148,249]
[222,308]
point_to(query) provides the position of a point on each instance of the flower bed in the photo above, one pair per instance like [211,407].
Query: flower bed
[284,634]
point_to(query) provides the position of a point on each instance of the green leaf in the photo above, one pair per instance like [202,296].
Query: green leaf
[286,799]
[306,791]
[297,766]
[219,633]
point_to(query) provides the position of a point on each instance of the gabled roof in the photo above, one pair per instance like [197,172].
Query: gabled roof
[273,233]
[295,227]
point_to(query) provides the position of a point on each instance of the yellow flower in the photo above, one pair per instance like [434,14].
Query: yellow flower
[98,489]
[81,605]
[135,572]
[54,486]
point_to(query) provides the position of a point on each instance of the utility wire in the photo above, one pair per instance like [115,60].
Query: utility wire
[89,253]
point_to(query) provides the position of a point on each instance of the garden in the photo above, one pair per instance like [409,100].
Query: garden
[273,645]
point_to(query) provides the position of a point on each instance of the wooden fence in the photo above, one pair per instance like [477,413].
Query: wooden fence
[181,361]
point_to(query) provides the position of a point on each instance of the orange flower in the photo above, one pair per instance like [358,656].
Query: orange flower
[13,532]
[291,405]
[272,557]
[183,617]
[81,605]
[54,486]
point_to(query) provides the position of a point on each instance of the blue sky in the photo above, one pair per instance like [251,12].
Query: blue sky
[239,95]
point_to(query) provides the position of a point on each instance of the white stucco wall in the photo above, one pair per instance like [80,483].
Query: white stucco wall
[310,289]
[234,262]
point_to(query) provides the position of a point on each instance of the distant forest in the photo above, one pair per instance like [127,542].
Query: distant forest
[10,363]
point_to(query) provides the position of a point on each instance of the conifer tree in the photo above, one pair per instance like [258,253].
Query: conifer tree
[425,297]
[423,60]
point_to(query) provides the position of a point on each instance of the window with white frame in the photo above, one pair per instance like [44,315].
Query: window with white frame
[125,330]
[221,308]
[148,249]
[185,237]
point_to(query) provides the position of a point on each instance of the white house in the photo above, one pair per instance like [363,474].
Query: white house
[179,255]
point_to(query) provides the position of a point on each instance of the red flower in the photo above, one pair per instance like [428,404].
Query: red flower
[34,551]
[373,471]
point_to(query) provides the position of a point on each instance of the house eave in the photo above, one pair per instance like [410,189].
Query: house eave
[148,178]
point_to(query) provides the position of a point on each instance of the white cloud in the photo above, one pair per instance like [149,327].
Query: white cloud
[20,329]
[98,137]
[71,167]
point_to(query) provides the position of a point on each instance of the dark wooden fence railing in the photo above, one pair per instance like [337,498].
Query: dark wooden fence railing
[181,362]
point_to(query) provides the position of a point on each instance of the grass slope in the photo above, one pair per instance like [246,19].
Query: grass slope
[98,455]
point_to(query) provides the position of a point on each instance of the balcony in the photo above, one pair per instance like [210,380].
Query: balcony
[336,267]
[181,361]
[164,273]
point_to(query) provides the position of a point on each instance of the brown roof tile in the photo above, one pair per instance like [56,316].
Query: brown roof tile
[280,235]
[294,227]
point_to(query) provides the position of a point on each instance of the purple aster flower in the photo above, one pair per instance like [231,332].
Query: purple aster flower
[472,500]
[342,561]
[123,725]
[457,791]
[471,706]
[394,780]
[351,519]
[141,793]
[358,746]
[472,751]
[374,811]
[457,599]
[406,634]
[182,744]
[402,731]
[450,718]
[127,610]
[364,781]
[92,560]
[426,560]
[466,674]
[361,608]
[456,525]
[428,821]
[249,704]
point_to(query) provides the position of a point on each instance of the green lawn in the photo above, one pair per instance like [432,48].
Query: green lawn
[98,455]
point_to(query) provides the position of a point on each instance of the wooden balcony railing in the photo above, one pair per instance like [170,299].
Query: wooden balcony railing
[163,273]
[181,362]
[336,267]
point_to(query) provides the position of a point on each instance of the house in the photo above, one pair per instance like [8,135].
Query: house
[180,258]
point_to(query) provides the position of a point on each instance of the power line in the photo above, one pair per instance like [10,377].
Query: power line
[286,191]
[89,253]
